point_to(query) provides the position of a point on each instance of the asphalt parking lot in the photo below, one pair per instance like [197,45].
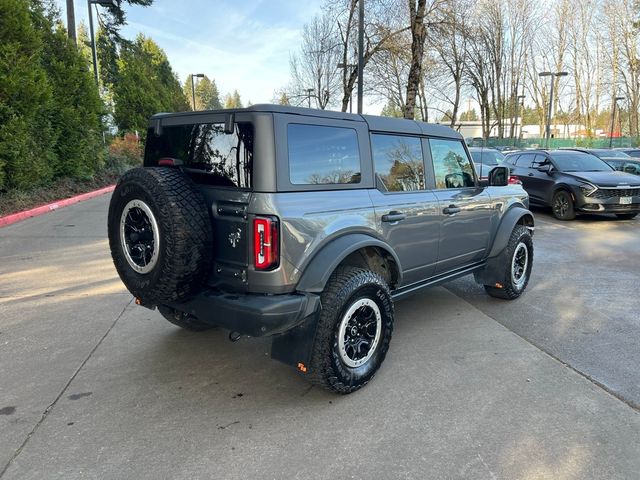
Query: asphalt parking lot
[92,386]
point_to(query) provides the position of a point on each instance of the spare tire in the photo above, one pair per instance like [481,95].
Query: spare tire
[160,234]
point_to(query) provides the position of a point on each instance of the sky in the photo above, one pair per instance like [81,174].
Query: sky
[241,44]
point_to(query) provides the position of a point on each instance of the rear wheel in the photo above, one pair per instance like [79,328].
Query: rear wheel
[626,216]
[354,330]
[562,205]
[518,260]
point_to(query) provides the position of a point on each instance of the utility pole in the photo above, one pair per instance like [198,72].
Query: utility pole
[71,21]
[515,134]
[553,81]
[613,119]
[360,52]
[94,54]
[309,92]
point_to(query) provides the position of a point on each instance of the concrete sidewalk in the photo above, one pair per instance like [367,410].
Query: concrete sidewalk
[101,388]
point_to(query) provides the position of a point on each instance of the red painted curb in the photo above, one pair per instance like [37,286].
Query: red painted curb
[35,212]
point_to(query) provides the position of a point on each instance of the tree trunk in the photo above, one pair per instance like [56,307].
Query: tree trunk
[418,37]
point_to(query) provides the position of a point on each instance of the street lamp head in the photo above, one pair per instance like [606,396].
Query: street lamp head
[561,74]
[545,74]
[619,99]
[199,75]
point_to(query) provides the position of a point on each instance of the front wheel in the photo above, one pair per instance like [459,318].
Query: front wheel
[562,205]
[518,260]
[354,330]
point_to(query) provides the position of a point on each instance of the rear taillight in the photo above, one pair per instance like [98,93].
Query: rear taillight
[265,243]
[514,180]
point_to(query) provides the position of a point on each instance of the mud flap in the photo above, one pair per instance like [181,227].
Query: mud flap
[294,346]
[494,270]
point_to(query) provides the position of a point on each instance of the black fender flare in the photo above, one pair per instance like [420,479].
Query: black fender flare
[509,221]
[321,266]
[493,270]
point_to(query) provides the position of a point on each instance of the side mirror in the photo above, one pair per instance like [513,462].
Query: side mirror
[499,177]
[545,168]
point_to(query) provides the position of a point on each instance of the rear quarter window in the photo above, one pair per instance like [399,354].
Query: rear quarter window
[323,155]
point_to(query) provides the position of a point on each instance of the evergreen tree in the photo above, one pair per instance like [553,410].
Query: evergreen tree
[391,109]
[207,94]
[25,100]
[76,116]
[233,100]
[146,85]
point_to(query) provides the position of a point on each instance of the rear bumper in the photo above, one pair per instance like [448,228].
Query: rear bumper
[251,314]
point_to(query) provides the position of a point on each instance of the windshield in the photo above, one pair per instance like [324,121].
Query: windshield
[579,162]
[487,157]
[610,154]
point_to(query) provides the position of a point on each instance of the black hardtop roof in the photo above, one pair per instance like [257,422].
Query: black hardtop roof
[376,123]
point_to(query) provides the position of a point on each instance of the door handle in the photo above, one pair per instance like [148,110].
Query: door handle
[393,216]
[451,210]
[531,174]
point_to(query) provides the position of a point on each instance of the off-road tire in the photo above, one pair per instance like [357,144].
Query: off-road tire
[626,216]
[510,290]
[184,320]
[346,286]
[184,229]
[567,213]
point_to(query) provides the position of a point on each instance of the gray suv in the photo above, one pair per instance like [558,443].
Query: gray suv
[306,225]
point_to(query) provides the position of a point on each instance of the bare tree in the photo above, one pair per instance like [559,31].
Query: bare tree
[314,71]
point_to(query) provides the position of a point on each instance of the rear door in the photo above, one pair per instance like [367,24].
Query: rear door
[221,164]
[406,210]
[464,208]
[539,184]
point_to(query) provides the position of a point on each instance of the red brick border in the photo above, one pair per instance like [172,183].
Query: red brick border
[34,212]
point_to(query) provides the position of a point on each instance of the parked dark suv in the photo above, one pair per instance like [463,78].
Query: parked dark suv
[306,225]
[571,181]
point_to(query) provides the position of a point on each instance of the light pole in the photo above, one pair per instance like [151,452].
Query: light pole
[613,119]
[309,92]
[552,75]
[193,88]
[345,67]
[515,134]
[360,52]
[104,3]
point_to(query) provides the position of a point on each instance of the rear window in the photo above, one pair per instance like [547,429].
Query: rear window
[206,152]
[487,157]
[320,155]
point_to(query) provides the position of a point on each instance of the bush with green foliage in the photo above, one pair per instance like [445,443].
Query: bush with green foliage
[50,110]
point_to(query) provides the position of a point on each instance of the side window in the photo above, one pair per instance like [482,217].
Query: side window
[525,160]
[451,165]
[512,159]
[398,162]
[320,155]
[539,160]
